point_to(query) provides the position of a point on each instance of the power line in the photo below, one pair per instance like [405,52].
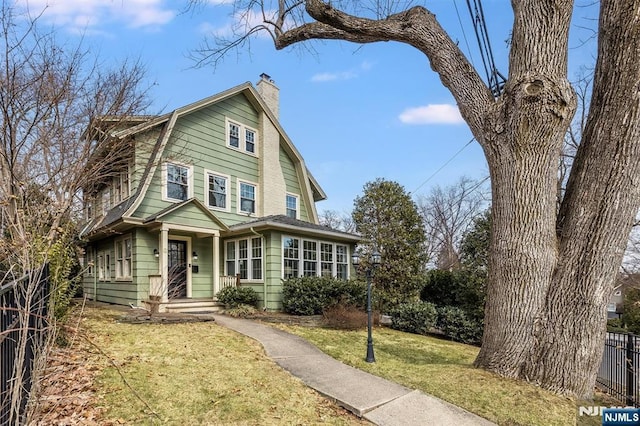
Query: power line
[495,80]
[443,166]
[464,34]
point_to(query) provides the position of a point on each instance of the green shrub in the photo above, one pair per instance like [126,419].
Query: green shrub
[236,296]
[464,289]
[311,295]
[456,324]
[615,325]
[413,317]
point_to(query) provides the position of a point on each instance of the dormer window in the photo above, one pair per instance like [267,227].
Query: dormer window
[241,137]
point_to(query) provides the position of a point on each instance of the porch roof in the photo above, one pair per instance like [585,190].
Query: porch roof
[286,223]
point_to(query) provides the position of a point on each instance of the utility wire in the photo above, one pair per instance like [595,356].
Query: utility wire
[443,166]
[464,34]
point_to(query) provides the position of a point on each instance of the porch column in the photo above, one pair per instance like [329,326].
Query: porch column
[215,240]
[164,262]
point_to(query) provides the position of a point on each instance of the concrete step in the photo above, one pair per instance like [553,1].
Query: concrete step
[193,305]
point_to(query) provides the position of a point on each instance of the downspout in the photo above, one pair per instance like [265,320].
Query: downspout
[95,275]
[264,278]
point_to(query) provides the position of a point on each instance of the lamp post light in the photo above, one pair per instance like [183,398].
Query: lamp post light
[374,262]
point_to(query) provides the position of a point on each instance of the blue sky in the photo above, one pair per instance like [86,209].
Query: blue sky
[355,113]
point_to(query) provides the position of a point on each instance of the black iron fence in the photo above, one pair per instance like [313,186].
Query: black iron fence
[618,373]
[23,327]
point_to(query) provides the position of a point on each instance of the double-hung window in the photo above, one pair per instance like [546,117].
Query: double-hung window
[104,266]
[234,135]
[342,263]
[310,255]
[244,257]
[123,258]
[292,206]
[241,137]
[177,182]
[291,257]
[326,259]
[247,197]
[250,141]
[217,191]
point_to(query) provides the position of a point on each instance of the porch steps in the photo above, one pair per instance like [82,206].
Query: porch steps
[193,306]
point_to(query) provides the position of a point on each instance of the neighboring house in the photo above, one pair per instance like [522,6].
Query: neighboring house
[615,307]
[209,195]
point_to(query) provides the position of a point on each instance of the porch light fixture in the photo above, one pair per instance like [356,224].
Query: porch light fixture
[155,253]
[374,260]
[194,256]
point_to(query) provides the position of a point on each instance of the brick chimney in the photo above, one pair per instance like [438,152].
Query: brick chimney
[270,93]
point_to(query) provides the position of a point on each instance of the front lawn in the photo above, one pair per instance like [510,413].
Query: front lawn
[444,369]
[195,374]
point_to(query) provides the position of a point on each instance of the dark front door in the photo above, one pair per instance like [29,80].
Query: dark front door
[177,269]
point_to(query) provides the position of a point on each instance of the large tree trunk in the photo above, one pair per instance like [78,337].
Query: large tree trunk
[522,146]
[602,198]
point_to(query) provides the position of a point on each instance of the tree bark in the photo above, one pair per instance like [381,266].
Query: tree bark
[597,213]
[522,144]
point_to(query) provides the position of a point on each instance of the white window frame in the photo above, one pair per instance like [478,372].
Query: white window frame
[227,200]
[242,137]
[124,260]
[121,187]
[165,176]
[296,198]
[234,257]
[303,257]
[105,200]
[239,210]
[104,265]
[91,261]
[90,207]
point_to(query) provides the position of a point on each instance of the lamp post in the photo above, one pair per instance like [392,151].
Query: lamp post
[374,262]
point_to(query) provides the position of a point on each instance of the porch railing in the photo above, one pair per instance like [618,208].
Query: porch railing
[229,281]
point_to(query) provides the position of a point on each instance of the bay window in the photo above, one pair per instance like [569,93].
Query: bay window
[311,258]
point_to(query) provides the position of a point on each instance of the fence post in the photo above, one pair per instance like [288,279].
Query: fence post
[630,358]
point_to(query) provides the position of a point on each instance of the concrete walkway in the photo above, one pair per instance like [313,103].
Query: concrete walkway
[378,400]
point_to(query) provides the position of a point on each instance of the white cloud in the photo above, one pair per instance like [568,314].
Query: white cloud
[432,114]
[327,76]
[80,15]
[341,75]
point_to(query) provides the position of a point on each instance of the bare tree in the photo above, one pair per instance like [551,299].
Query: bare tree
[48,93]
[551,270]
[337,220]
[448,213]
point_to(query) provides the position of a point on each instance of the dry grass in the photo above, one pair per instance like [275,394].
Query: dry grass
[444,369]
[197,374]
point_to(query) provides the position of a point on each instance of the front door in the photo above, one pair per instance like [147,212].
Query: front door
[177,269]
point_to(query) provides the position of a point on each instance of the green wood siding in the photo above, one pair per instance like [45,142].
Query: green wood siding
[273,270]
[145,263]
[202,281]
[145,143]
[110,290]
[199,140]
[293,182]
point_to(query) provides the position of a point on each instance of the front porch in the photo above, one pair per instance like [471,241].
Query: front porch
[155,303]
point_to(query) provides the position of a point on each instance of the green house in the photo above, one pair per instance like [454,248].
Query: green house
[210,195]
